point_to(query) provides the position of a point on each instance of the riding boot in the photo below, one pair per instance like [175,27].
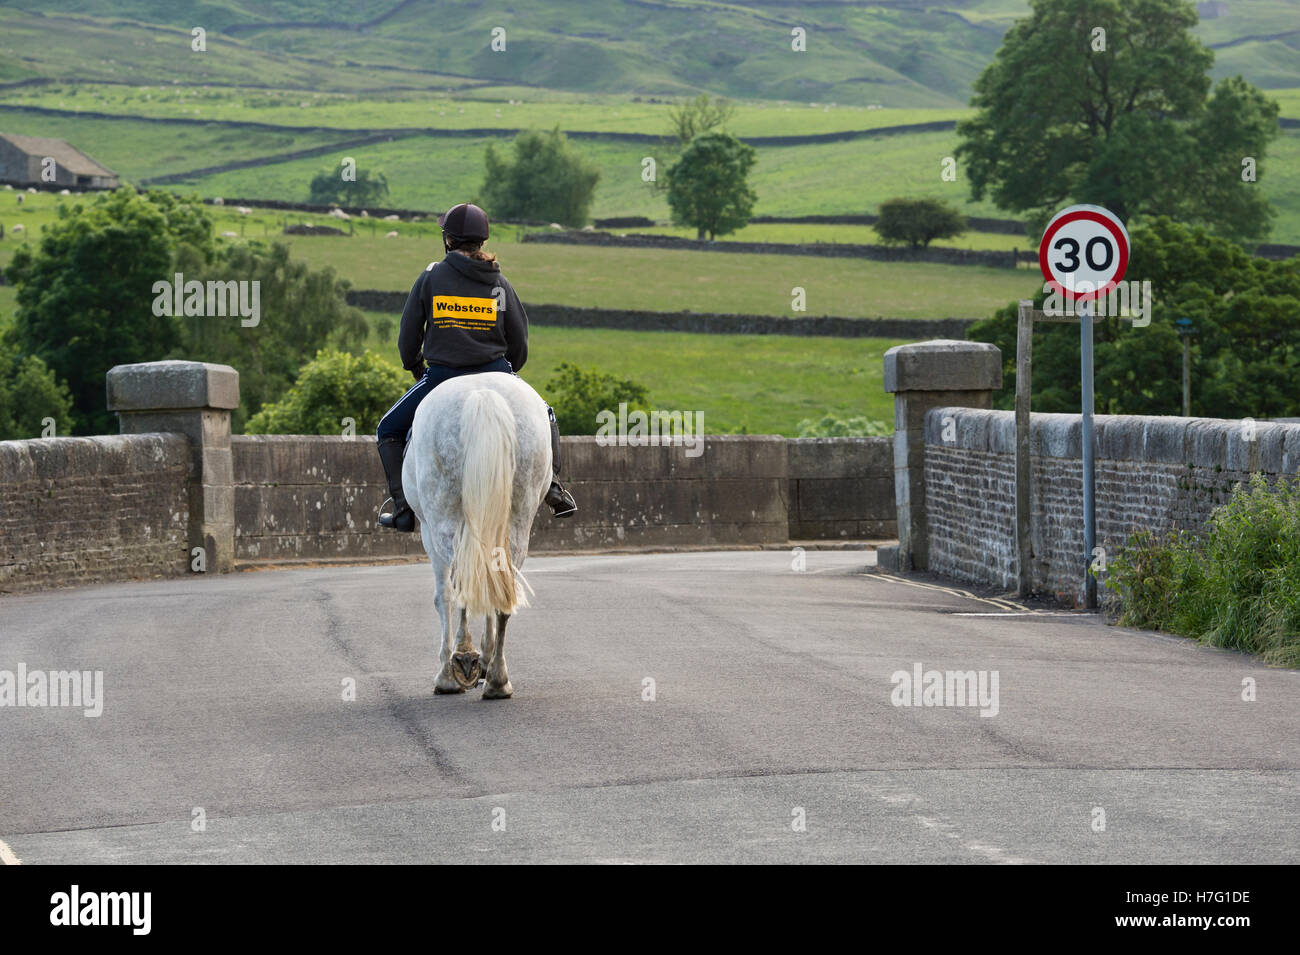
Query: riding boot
[402,517]
[561,501]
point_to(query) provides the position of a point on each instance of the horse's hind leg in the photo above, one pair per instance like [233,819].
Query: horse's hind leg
[466,665]
[498,681]
[447,682]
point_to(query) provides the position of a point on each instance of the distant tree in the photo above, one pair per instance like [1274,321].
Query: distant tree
[579,394]
[29,394]
[918,222]
[85,293]
[332,386]
[696,116]
[331,189]
[546,181]
[708,186]
[1128,127]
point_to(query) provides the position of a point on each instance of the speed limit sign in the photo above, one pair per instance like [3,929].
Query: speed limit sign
[1084,252]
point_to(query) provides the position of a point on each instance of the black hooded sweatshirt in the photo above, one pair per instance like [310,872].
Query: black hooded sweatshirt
[452,318]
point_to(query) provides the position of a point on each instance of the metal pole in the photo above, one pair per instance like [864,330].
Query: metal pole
[1187,376]
[1089,488]
[1024,380]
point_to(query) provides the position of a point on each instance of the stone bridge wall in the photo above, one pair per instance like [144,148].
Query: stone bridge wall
[1154,473]
[83,510]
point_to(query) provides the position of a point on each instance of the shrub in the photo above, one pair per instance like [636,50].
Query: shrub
[1236,585]
[333,386]
[918,222]
[832,427]
[579,394]
[29,393]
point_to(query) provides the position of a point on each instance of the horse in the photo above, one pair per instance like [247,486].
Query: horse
[476,470]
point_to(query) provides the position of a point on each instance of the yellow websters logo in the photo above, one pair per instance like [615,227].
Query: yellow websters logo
[454,311]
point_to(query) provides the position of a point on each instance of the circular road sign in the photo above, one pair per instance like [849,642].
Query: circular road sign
[1084,252]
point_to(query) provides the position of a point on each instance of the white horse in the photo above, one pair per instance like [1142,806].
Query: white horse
[475,473]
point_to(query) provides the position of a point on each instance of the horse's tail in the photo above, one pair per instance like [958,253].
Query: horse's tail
[483,575]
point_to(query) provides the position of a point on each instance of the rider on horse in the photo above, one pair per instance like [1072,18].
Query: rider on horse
[463,318]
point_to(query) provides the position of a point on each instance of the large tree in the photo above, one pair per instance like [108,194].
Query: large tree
[1245,353]
[1131,126]
[301,311]
[85,292]
[546,181]
[708,186]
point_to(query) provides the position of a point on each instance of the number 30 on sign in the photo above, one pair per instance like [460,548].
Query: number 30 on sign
[1084,252]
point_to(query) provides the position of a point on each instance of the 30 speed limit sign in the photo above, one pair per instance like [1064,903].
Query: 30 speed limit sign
[1084,252]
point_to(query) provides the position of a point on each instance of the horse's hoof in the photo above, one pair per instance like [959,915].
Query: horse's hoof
[454,688]
[466,669]
[491,692]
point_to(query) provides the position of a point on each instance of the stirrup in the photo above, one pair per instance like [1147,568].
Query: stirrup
[401,519]
[561,501]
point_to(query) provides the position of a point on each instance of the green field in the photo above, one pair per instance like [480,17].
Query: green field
[810,233]
[668,280]
[431,172]
[763,384]
[137,149]
[488,107]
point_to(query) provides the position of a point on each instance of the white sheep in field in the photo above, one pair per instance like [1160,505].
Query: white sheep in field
[65,192]
[365,214]
[244,210]
[18,228]
[230,235]
[393,218]
[391,235]
[218,201]
[339,214]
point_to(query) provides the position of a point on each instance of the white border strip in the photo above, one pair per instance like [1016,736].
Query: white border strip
[7,856]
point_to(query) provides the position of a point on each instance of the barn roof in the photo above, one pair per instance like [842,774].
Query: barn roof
[63,153]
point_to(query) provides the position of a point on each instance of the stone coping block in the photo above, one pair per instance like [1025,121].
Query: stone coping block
[943,365]
[1227,443]
[840,457]
[172,386]
[104,455]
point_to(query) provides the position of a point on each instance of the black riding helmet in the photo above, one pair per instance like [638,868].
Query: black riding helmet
[465,222]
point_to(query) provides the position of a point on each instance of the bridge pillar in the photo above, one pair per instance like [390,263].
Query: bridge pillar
[922,376]
[194,399]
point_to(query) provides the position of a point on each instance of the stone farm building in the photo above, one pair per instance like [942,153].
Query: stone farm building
[22,159]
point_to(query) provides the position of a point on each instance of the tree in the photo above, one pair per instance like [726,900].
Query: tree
[547,181]
[693,117]
[30,394]
[85,293]
[708,186]
[301,310]
[579,394]
[918,222]
[1128,127]
[332,386]
[1245,355]
[332,189]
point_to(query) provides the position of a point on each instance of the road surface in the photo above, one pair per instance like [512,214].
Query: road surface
[772,735]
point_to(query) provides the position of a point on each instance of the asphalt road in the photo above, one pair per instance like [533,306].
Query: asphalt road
[772,705]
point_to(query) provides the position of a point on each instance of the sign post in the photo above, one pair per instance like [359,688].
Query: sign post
[1083,256]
